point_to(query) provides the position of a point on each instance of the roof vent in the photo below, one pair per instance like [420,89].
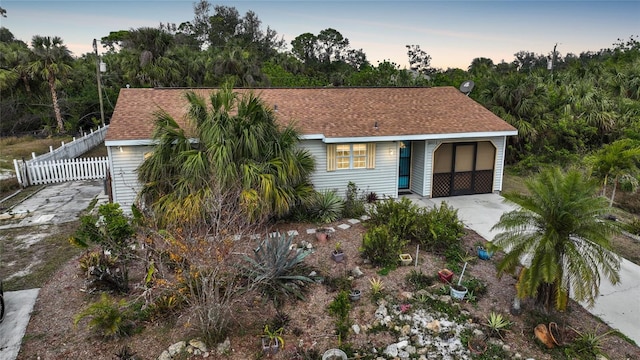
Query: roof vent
[466,87]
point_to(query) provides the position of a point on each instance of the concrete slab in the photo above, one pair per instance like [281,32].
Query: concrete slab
[19,305]
[617,305]
[58,203]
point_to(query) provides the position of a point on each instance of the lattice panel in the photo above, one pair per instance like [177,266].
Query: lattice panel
[462,181]
[441,185]
[483,182]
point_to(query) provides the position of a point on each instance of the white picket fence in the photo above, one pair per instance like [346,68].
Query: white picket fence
[61,164]
[54,171]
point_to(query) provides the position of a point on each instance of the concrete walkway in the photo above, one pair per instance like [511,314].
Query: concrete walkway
[618,306]
[54,204]
[18,305]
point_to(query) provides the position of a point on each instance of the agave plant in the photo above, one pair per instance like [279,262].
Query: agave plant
[277,270]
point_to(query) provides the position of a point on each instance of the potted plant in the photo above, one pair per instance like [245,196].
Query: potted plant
[477,345]
[484,254]
[334,354]
[338,254]
[406,259]
[272,340]
[445,275]
[458,291]
[322,234]
[354,295]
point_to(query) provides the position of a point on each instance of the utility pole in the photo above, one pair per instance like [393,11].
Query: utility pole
[95,49]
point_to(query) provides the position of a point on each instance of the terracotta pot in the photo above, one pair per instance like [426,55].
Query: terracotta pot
[554,333]
[477,346]
[542,333]
[445,275]
[322,236]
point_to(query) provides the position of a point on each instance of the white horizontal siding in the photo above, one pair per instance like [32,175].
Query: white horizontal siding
[124,174]
[498,174]
[429,150]
[382,180]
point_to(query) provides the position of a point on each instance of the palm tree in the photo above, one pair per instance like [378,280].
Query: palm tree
[615,160]
[52,63]
[560,235]
[239,148]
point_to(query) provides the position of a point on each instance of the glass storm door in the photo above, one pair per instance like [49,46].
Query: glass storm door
[404,170]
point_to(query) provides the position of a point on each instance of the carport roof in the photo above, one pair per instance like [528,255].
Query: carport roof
[327,112]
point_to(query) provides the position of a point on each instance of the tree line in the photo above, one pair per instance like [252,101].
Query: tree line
[563,106]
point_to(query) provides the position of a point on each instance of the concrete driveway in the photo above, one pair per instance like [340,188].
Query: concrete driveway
[618,306]
[54,204]
[18,305]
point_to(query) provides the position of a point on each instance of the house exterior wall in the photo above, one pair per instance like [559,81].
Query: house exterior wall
[124,175]
[382,180]
[498,172]
[418,170]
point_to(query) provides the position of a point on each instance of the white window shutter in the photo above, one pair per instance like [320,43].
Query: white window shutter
[371,155]
[331,157]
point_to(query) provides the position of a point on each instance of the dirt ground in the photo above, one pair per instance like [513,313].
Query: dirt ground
[51,334]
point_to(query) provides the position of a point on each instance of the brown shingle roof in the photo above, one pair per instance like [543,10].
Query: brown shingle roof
[332,112]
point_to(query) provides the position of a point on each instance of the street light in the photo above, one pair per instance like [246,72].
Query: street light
[100,67]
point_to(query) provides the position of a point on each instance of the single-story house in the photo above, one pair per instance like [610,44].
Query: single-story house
[433,142]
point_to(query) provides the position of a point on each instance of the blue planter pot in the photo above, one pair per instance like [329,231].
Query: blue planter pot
[483,254]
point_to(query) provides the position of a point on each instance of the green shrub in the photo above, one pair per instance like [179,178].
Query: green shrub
[277,270]
[340,307]
[418,280]
[111,230]
[475,285]
[326,207]
[441,230]
[354,202]
[633,226]
[400,216]
[108,317]
[381,247]
[338,283]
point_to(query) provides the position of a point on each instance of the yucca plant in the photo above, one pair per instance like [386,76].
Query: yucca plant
[497,324]
[326,206]
[588,345]
[277,270]
[377,286]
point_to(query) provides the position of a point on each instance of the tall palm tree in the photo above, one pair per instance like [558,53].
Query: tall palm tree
[52,63]
[239,148]
[559,235]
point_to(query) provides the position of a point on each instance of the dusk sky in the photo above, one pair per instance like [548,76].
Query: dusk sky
[452,32]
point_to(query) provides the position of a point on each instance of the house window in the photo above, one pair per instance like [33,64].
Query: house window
[350,156]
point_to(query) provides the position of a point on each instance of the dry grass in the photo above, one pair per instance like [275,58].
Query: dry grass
[19,147]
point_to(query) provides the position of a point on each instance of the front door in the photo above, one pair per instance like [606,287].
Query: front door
[464,162]
[404,171]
